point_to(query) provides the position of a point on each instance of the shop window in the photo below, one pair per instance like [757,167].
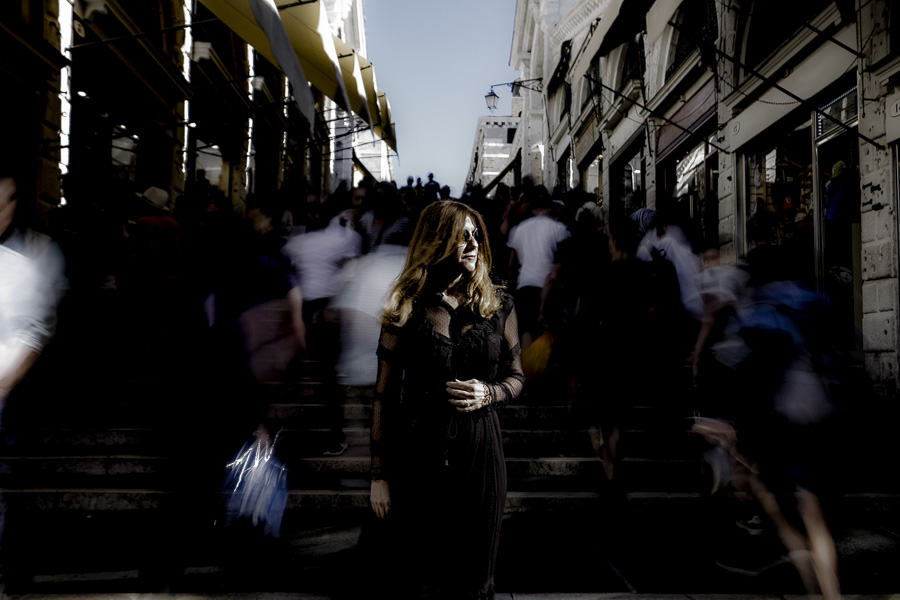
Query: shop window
[209,160]
[840,254]
[124,157]
[779,203]
[697,24]
[559,91]
[802,193]
[634,177]
[564,172]
[687,185]
[633,65]
[592,178]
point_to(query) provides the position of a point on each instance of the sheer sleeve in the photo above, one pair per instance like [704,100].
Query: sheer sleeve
[510,377]
[387,397]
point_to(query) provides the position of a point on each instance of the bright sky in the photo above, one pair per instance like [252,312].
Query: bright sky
[435,60]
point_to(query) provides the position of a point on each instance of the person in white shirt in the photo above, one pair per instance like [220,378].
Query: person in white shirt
[317,258]
[32,283]
[533,244]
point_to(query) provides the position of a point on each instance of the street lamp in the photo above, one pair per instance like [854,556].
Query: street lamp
[491,98]
[535,85]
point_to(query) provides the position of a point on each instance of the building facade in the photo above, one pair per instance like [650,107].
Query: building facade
[755,121]
[492,152]
[111,98]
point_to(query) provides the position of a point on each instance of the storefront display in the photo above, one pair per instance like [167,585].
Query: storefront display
[592,178]
[801,192]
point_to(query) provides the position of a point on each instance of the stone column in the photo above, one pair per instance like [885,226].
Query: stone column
[878,210]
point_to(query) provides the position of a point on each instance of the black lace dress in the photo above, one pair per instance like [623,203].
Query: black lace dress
[446,470]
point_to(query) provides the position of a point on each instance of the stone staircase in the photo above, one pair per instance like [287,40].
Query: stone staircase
[123,497]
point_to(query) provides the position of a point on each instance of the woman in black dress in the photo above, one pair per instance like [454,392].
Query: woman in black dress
[448,358]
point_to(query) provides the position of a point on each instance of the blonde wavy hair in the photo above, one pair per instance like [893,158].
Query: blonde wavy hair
[435,241]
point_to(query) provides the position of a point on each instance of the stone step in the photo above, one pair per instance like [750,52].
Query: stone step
[313,415]
[335,472]
[525,474]
[83,502]
[48,442]
[307,442]
[121,471]
[529,442]
[71,554]
[80,503]
[577,442]
[291,391]
[311,410]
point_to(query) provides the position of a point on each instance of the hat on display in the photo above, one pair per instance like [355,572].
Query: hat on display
[156,197]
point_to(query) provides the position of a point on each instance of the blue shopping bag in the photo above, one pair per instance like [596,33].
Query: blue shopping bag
[256,488]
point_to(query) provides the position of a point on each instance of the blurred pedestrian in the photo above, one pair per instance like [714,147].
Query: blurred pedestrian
[365,283]
[615,328]
[533,263]
[32,283]
[383,216]
[317,258]
[782,420]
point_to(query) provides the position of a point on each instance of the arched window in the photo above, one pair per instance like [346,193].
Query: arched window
[591,88]
[633,64]
[696,23]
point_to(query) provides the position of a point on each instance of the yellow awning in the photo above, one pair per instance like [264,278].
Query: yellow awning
[329,64]
[307,28]
[353,80]
[368,75]
[387,124]
[269,20]
[379,107]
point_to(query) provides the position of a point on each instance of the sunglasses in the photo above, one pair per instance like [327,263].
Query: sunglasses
[469,235]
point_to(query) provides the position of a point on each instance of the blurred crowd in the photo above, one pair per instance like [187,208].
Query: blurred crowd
[629,311]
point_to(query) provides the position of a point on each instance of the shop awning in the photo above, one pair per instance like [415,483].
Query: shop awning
[269,20]
[368,76]
[379,107]
[307,29]
[353,80]
[387,124]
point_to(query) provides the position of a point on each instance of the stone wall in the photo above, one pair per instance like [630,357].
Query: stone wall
[878,235]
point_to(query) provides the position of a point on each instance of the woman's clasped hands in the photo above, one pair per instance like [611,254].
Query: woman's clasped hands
[468,395]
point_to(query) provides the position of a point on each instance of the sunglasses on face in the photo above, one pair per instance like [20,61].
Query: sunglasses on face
[469,235]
